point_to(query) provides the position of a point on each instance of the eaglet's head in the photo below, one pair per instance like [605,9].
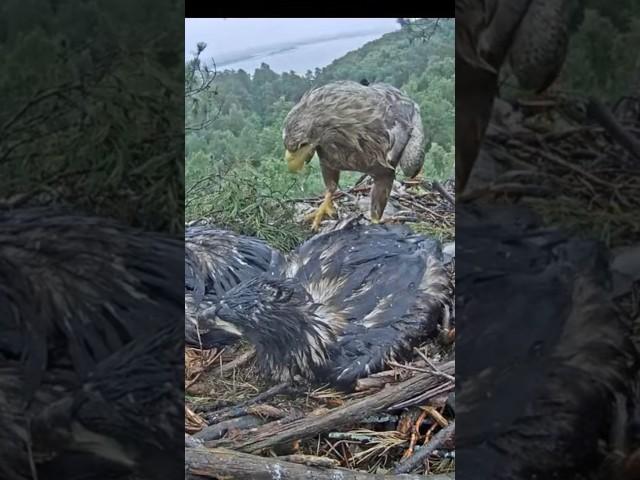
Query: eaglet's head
[280,319]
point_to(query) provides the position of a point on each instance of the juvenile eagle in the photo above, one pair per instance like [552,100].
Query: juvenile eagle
[363,128]
[215,261]
[546,363]
[90,315]
[348,300]
[74,426]
[80,287]
[532,36]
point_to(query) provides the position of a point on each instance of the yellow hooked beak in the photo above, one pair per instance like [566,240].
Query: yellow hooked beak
[296,160]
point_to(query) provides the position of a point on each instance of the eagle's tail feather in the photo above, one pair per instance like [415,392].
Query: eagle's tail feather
[412,158]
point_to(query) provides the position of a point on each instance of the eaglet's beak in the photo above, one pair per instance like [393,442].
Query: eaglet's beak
[296,160]
[214,316]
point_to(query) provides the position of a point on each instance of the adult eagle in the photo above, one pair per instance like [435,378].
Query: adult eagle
[532,36]
[363,128]
[347,301]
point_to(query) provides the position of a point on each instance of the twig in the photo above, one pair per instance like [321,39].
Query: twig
[420,455]
[311,460]
[352,437]
[408,367]
[219,430]
[440,189]
[242,408]
[415,434]
[236,362]
[423,397]
[434,368]
[597,111]
[436,415]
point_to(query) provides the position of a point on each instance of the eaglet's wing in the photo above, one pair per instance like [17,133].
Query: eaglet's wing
[80,287]
[221,259]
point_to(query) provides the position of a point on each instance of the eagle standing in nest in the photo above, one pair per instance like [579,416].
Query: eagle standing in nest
[217,260]
[364,128]
[532,36]
[347,301]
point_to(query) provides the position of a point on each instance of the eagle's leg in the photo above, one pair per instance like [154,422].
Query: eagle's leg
[380,192]
[331,178]
[474,101]
[325,209]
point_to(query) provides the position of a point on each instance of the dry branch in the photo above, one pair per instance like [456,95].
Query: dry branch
[422,454]
[446,195]
[221,463]
[236,362]
[277,433]
[218,430]
[599,112]
[244,407]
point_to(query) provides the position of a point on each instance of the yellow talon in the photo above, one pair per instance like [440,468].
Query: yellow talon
[325,209]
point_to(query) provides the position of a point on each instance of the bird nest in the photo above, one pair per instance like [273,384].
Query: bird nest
[427,207]
[577,172]
[400,420]
[228,406]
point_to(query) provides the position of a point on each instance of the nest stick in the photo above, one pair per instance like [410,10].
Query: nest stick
[277,433]
[600,114]
[236,362]
[241,408]
[421,455]
[446,195]
[231,465]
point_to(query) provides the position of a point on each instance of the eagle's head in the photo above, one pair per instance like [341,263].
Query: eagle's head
[300,137]
[292,334]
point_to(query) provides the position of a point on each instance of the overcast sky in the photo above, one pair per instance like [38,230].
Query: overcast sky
[224,36]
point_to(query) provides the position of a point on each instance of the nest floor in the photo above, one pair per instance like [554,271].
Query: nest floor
[376,429]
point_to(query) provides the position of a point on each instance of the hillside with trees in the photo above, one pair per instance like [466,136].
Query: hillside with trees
[235,171]
[87,107]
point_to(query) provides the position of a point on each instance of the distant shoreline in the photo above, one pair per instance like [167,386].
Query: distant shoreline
[279,48]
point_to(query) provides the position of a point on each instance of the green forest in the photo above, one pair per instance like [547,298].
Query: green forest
[89,93]
[235,170]
[603,59]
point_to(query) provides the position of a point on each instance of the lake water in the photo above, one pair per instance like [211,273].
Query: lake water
[302,57]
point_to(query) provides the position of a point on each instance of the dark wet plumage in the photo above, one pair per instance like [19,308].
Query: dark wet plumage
[80,287]
[125,416]
[348,300]
[545,362]
[91,323]
[215,261]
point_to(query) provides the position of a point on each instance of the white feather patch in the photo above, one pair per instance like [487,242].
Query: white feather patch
[370,320]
